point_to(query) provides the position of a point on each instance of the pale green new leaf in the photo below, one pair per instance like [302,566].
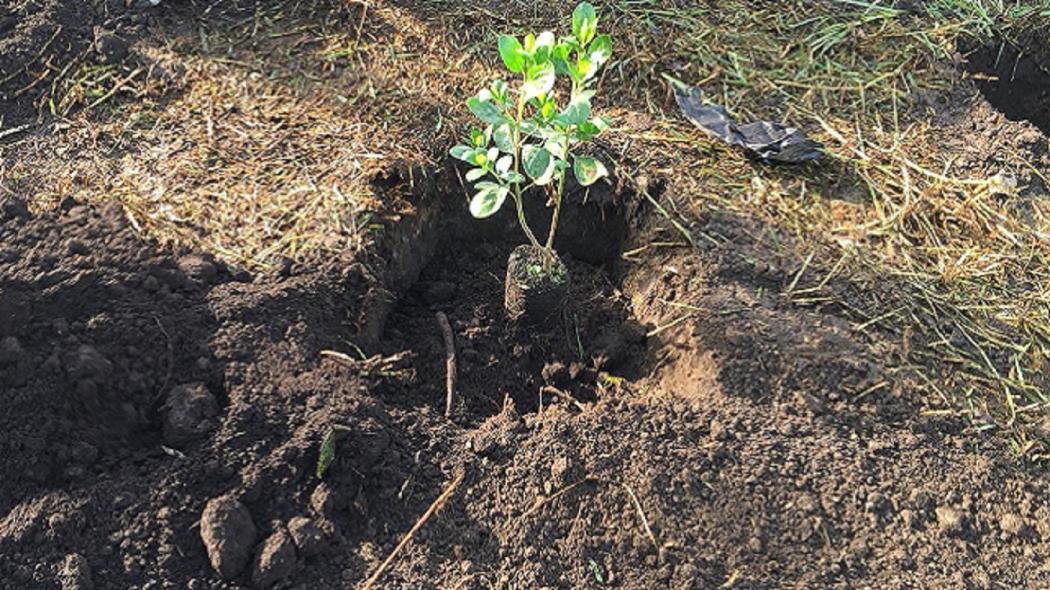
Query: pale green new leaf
[539,81]
[584,22]
[511,51]
[475,174]
[555,144]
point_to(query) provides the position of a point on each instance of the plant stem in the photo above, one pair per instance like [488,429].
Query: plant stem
[561,182]
[518,201]
[557,200]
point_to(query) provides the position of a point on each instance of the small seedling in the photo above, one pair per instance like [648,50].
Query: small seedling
[327,453]
[531,130]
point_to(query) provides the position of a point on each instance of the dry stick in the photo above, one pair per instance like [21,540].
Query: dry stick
[641,514]
[559,393]
[450,362]
[415,528]
[117,88]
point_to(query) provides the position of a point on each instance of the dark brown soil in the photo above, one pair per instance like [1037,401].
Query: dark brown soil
[694,429]
[686,426]
[1014,81]
[45,41]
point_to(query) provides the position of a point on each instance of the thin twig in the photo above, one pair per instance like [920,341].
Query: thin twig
[641,514]
[559,393]
[542,502]
[441,500]
[116,88]
[450,362]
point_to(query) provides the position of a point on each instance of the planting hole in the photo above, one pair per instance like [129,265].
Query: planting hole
[596,337]
[1015,82]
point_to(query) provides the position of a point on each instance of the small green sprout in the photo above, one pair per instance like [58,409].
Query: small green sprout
[327,453]
[529,134]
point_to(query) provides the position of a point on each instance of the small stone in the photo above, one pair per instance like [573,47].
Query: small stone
[13,208]
[189,414]
[150,283]
[75,573]
[950,520]
[87,362]
[112,48]
[812,402]
[561,469]
[307,535]
[283,267]
[77,247]
[83,452]
[719,431]
[1013,525]
[439,292]
[908,518]
[228,534]
[197,268]
[555,373]
[275,560]
[11,351]
[323,501]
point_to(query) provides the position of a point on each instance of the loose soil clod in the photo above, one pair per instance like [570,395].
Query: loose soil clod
[537,288]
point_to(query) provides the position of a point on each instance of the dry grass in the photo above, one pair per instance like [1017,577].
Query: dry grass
[262,130]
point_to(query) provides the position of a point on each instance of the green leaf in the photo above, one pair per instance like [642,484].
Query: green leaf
[556,146]
[539,81]
[488,200]
[476,174]
[462,152]
[503,137]
[588,170]
[327,455]
[511,51]
[549,107]
[486,111]
[539,164]
[584,68]
[599,52]
[584,22]
[591,128]
[560,56]
[498,91]
[586,131]
[513,177]
[576,113]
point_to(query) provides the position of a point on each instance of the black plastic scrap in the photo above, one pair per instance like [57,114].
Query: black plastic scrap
[765,140]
